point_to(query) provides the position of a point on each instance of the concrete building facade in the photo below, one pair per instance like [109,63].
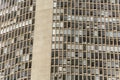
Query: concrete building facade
[59,40]
[25,39]
[86,40]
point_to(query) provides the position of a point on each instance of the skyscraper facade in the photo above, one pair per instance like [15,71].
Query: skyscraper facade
[85,40]
[16,38]
[25,39]
[59,40]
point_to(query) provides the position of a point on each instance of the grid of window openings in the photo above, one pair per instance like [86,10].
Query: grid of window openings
[86,40]
[16,39]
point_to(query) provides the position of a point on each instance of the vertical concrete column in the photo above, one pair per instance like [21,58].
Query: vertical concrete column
[42,40]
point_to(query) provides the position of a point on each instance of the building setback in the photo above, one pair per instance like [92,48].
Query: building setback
[59,40]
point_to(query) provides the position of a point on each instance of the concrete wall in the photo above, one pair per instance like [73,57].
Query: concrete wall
[42,40]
